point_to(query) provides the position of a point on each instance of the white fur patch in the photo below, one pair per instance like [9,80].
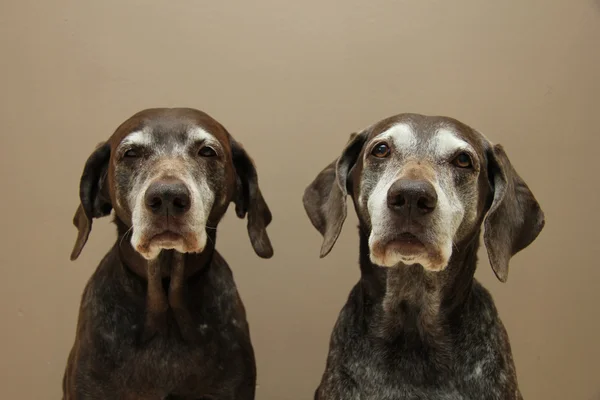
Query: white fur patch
[377,202]
[402,136]
[445,143]
[197,134]
[141,138]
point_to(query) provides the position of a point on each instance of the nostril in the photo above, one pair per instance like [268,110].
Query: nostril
[396,200]
[399,201]
[180,203]
[154,203]
[426,204]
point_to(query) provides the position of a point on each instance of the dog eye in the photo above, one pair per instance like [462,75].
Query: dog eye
[463,160]
[132,153]
[207,152]
[381,150]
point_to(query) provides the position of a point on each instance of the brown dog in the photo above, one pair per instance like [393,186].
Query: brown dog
[161,317]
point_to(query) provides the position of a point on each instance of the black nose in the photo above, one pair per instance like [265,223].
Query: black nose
[412,197]
[167,197]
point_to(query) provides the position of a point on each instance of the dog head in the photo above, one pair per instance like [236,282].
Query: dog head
[421,185]
[169,175]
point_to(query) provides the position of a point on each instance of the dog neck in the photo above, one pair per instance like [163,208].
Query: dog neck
[167,260]
[408,301]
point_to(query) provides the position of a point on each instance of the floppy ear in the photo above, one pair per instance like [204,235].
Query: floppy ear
[514,219]
[95,202]
[325,198]
[249,200]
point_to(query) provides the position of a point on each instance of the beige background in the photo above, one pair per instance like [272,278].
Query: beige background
[291,80]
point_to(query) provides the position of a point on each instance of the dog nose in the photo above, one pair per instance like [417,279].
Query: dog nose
[167,198]
[412,197]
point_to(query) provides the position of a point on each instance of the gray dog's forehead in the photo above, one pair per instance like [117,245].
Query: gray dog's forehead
[422,128]
[170,124]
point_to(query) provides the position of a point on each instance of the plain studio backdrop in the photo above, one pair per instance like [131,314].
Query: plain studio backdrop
[291,80]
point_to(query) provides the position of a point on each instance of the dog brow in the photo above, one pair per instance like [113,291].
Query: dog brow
[137,137]
[445,142]
[198,134]
[402,136]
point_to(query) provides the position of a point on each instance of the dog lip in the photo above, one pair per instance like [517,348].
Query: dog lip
[406,243]
[406,237]
[167,235]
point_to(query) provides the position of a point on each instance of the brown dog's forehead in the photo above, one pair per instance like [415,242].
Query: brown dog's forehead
[169,121]
[426,126]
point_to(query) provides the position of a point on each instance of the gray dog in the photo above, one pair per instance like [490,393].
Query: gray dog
[418,325]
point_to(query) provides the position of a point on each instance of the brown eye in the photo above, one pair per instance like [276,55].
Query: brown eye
[207,152]
[381,150]
[132,153]
[463,160]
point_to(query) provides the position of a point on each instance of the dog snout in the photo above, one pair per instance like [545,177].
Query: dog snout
[168,197]
[412,197]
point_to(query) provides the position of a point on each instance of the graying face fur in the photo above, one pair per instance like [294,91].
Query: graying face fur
[187,155]
[169,174]
[421,185]
[418,192]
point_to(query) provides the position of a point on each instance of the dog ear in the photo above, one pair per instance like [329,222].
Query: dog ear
[325,198]
[514,219]
[95,202]
[249,201]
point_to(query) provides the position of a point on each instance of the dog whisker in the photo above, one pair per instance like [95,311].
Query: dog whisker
[212,241]
[455,247]
[128,231]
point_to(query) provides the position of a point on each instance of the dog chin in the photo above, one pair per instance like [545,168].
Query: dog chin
[396,253]
[150,247]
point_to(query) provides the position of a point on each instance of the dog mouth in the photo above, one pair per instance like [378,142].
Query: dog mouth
[151,244]
[405,243]
[408,248]
[166,237]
